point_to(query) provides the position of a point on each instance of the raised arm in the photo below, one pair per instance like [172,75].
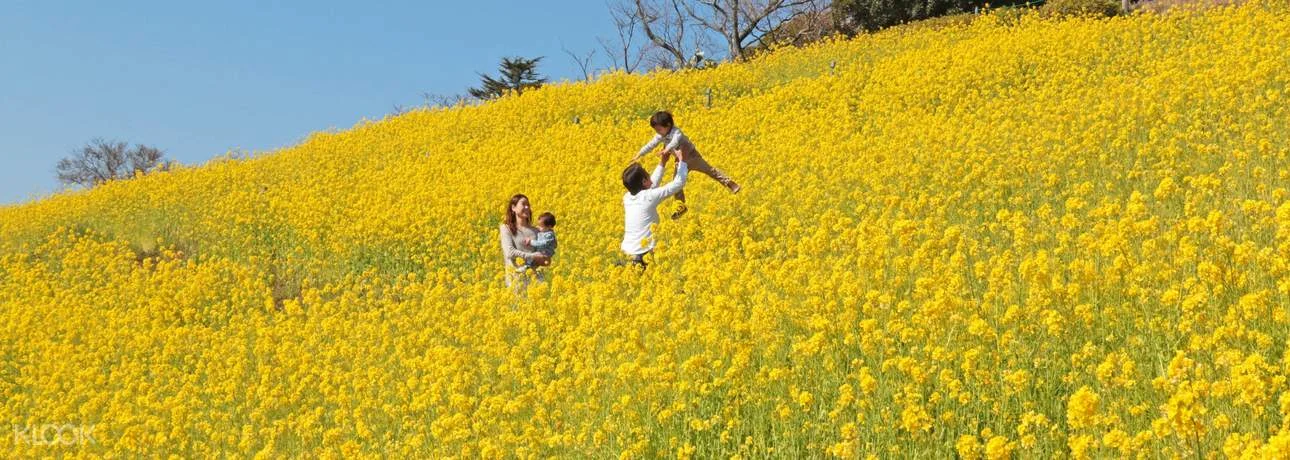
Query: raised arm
[649,146]
[669,189]
[510,250]
[656,177]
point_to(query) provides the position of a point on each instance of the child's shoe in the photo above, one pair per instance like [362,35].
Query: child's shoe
[680,211]
[735,188]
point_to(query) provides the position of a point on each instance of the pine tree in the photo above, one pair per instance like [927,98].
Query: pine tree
[514,74]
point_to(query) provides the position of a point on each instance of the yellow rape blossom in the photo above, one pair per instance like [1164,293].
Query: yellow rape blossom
[1009,236]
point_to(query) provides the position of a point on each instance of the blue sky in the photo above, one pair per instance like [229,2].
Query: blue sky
[197,79]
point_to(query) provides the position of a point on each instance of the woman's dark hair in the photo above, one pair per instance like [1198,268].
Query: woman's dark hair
[661,118]
[547,219]
[509,220]
[634,178]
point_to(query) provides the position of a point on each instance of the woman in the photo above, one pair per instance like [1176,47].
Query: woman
[515,235]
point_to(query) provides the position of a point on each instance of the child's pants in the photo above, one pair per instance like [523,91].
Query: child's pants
[696,163]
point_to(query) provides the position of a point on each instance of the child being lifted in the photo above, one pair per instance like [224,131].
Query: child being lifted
[673,140]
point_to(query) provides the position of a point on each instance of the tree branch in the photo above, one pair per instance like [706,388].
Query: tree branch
[646,20]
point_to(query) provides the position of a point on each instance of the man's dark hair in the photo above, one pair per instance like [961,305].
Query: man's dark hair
[661,118]
[547,219]
[634,178]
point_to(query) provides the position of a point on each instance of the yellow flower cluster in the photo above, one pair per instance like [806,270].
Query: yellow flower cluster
[1014,237]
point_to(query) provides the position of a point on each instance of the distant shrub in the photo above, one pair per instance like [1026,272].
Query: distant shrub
[1104,8]
[853,16]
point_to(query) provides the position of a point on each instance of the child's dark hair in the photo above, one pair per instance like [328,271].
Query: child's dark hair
[547,219]
[661,119]
[634,178]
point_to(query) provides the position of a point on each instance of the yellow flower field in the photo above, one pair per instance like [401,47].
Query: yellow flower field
[1017,237]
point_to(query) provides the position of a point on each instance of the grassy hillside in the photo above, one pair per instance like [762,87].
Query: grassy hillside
[1011,237]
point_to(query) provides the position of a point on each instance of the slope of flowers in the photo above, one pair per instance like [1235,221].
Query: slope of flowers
[1015,237]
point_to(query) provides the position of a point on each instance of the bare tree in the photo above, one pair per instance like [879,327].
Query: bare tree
[624,53]
[682,29]
[100,161]
[655,57]
[813,22]
[433,100]
[584,61]
[743,23]
[669,28]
